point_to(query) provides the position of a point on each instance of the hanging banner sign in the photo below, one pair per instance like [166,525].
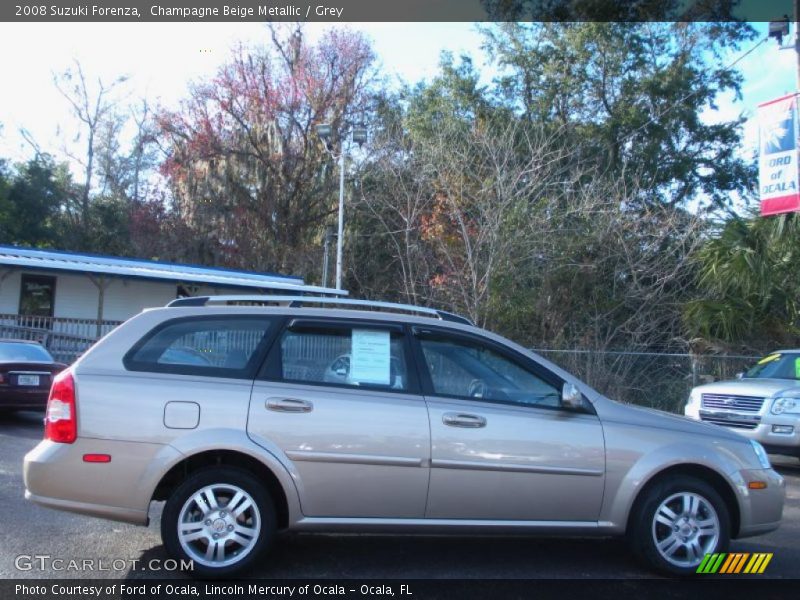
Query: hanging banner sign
[778,156]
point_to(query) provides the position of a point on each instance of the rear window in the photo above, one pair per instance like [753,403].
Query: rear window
[24,352]
[222,347]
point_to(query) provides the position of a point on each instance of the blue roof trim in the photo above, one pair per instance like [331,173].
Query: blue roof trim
[87,264]
[145,261]
[266,288]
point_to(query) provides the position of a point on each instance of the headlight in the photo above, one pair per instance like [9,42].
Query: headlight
[694,398]
[761,454]
[785,405]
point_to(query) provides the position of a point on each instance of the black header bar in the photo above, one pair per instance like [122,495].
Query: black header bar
[341,11]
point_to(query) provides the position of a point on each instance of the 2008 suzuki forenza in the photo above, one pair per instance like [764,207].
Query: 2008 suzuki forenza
[251,418]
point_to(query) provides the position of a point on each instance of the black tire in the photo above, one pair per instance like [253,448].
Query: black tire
[225,484]
[692,538]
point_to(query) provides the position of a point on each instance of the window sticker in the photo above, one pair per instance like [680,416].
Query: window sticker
[797,368]
[371,357]
[768,359]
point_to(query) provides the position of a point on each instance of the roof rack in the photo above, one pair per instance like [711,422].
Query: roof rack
[298,301]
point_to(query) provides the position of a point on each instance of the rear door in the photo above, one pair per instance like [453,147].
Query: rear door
[502,447]
[339,399]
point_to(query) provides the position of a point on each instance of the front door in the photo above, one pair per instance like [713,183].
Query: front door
[339,401]
[502,447]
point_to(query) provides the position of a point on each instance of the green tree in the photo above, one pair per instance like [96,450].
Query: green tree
[633,97]
[5,185]
[748,284]
[32,207]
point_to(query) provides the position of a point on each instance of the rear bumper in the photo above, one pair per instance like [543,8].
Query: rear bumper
[56,476]
[21,399]
[115,513]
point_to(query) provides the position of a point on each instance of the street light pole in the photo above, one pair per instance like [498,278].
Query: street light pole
[359,136]
[340,235]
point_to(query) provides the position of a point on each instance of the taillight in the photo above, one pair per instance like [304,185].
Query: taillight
[60,421]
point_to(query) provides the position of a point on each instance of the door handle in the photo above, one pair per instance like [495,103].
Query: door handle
[463,420]
[292,405]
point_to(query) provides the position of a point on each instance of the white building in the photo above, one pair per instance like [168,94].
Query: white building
[68,300]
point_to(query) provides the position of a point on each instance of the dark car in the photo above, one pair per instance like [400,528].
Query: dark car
[26,371]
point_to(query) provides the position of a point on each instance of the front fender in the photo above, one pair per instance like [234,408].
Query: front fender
[625,484]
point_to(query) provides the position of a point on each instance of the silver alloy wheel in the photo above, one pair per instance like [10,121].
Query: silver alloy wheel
[685,528]
[219,525]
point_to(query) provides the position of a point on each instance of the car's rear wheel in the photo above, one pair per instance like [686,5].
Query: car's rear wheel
[220,518]
[677,522]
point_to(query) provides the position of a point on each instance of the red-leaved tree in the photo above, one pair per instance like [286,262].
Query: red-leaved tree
[247,171]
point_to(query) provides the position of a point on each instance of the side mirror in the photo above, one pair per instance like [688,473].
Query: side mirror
[740,376]
[571,396]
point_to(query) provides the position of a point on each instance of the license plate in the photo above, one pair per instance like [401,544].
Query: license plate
[28,380]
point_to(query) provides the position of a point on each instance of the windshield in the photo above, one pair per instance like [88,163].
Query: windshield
[24,352]
[776,366]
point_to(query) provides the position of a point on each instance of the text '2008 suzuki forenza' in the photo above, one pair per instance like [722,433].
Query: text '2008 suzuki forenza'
[248,419]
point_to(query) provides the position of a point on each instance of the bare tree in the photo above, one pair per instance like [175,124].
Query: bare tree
[121,166]
[92,108]
[451,206]
[501,221]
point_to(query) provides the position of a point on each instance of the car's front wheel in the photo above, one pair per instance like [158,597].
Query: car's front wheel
[677,522]
[221,518]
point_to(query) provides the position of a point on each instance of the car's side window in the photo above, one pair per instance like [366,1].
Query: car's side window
[352,356]
[224,347]
[468,369]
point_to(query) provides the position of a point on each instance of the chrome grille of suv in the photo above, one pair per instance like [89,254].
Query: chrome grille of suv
[729,423]
[731,402]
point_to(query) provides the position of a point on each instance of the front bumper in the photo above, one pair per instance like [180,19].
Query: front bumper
[776,443]
[764,432]
[760,511]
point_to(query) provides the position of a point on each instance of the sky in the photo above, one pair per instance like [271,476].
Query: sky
[161,59]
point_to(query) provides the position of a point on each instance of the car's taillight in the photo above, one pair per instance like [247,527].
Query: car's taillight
[60,421]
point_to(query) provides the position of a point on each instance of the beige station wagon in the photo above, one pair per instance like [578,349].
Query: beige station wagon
[252,414]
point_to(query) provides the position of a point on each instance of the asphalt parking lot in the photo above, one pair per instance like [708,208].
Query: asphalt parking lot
[30,530]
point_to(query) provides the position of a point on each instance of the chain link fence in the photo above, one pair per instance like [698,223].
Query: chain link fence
[656,380]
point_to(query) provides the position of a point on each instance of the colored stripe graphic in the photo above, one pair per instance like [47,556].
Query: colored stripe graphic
[740,564]
[730,563]
[711,563]
[733,563]
[702,567]
[765,563]
[758,563]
